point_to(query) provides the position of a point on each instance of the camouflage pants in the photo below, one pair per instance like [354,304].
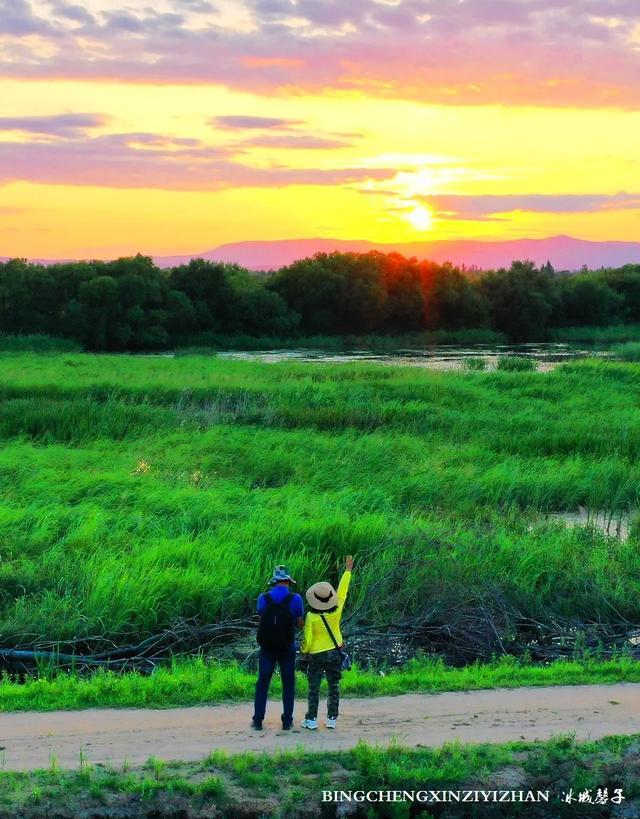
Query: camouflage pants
[325,662]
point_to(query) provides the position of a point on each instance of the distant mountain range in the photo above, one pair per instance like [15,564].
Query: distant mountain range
[564,252]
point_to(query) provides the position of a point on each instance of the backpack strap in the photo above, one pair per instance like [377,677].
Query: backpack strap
[333,639]
[285,602]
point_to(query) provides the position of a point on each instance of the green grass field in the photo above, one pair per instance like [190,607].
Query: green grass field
[195,682]
[137,490]
[290,784]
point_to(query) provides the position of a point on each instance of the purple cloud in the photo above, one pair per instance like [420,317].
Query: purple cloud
[239,122]
[198,6]
[17,19]
[150,161]
[282,133]
[56,125]
[483,208]
[78,14]
[123,21]
[296,141]
[542,52]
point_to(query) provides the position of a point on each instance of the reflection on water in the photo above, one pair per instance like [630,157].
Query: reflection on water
[442,357]
[612,523]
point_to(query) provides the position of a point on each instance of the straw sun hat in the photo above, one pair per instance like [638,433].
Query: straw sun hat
[322,596]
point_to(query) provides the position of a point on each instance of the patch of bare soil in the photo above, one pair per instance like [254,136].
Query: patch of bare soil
[415,720]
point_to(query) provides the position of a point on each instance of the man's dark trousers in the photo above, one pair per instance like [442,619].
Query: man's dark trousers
[267,661]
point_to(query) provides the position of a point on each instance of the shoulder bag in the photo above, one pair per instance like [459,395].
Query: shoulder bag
[345,659]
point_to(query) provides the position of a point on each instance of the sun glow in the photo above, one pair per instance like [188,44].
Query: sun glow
[420,218]
[48,209]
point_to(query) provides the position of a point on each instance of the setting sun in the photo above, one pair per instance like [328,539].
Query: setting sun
[420,218]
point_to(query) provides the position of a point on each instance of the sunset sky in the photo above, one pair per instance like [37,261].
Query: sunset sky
[177,125]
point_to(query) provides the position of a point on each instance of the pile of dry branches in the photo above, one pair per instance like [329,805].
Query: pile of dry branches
[186,637]
[472,630]
[481,626]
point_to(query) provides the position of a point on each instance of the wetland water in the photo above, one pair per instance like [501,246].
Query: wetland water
[441,357]
[612,523]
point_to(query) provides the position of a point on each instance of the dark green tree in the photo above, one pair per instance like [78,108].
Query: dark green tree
[206,284]
[405,302]
[586,299]
[334,293]
[454,302]
[258,311]
[626,282]
[520,300]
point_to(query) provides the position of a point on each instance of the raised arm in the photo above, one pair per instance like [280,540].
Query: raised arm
[345,580]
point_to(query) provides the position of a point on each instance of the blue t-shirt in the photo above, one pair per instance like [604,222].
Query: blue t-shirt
[277,594]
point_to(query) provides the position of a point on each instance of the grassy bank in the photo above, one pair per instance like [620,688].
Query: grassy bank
[140,490]
[37,343]
[627,352]
[195,682]
[290,784]
[615,334]
[210,342]
[377,343]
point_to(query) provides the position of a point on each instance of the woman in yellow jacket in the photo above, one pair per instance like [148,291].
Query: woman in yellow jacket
[325,613]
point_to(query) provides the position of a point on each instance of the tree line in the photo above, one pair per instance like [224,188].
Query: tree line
[130,304]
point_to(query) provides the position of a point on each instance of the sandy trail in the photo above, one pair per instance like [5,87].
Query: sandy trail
[112,735]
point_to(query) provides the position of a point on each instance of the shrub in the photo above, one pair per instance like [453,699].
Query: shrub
[475,363]
[185,351]
[37,343]
[517,363]
[627,352]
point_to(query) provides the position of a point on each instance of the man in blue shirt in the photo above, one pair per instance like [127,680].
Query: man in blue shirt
[281,611]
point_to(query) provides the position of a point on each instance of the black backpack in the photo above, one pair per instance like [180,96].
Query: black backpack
[275,632]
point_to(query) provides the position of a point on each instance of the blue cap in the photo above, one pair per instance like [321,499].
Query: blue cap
[280,573]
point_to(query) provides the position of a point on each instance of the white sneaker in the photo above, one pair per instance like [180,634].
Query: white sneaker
[331,722]
[311,724]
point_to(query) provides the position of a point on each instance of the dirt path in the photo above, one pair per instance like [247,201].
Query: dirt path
[113,735]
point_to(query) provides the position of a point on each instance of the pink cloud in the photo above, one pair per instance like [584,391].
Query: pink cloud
[485,207]
[247,122]
[297,141]
[279,132]
[56,125]
[153,161]
[541,52]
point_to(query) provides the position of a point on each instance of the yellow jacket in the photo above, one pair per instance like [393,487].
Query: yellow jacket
[315,637]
